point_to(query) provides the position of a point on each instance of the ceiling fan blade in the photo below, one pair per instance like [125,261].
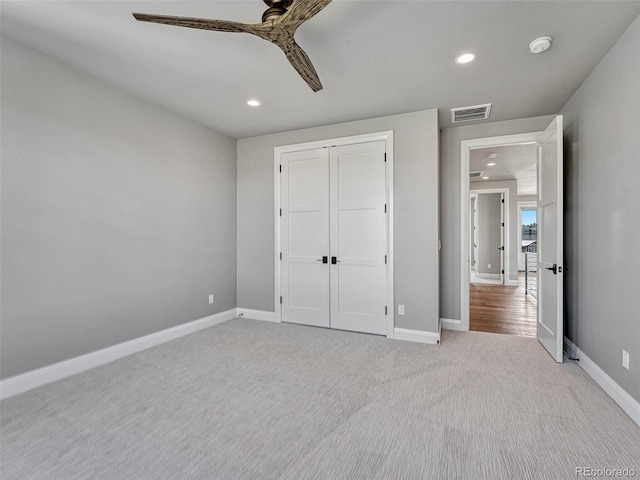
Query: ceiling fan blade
[201,23]
[300,61]
[302,10]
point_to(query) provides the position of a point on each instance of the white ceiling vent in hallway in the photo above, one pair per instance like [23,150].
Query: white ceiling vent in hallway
[475,174]
[468,114]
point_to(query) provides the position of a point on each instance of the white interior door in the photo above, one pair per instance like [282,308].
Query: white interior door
[475,235]
[358,237]
[550,240]
[502,238]
[305,237]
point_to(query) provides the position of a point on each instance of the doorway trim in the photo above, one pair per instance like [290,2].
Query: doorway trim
[465,154]
[507,238]
[387,137]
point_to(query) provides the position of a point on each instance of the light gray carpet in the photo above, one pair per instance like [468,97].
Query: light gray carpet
[255,400]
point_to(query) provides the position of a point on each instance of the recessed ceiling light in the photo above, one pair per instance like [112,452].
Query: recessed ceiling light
[491,164]
[485,178]
[252,102]
[541,44]
[465,58]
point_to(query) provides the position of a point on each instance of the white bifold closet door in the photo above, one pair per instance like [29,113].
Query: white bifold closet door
[342,222]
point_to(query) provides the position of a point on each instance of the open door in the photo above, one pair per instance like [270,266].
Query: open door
[550,330]
[502,239]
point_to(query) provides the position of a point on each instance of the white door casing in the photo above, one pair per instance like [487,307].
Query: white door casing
[550,331]
[358,237]
[305,237]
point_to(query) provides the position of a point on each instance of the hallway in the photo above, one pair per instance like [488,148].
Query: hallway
[502,309]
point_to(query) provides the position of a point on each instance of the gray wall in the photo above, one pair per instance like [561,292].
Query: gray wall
[512,213]
[118,218]
[489,209]
[450,197]
[416,212]
[602,225]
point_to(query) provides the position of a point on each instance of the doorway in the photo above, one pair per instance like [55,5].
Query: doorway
[548,173]
[489,245]
[498,302]
[334,252]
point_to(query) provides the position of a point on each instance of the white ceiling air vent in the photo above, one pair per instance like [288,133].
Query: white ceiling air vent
[475,174]
[469,114]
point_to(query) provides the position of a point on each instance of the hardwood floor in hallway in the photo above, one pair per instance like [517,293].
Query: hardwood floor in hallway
[502,309]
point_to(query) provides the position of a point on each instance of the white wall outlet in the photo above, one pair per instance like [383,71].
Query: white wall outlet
[211,299]
[489,266]
[625,359]
[400,309]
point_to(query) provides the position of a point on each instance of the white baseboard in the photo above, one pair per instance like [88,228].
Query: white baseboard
[258,315]
[570,348]
[494,276]
[512,283]
[615,391]
[416,336]
[452,324]
[51,373]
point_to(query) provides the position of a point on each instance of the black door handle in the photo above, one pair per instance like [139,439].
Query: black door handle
[325,259]
[553,269]
[334,260]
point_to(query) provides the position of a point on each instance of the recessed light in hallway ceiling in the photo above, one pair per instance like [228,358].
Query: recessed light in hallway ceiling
[465,58]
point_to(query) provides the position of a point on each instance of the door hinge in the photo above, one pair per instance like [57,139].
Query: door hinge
[502,200]
[503,224]
[385,208]
[385,156]
[501,248]
[385,259]
[280,212]
[385,310]
[503,272]
[280,298]
[280,168]
[280,255]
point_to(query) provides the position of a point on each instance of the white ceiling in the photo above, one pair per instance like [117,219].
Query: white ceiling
[374,57]
[513,162]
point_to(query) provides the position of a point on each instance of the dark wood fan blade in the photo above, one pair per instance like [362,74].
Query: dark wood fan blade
[301,63]
[201,23]
[302,10]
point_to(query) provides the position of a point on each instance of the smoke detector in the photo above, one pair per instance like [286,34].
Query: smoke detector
[541,44]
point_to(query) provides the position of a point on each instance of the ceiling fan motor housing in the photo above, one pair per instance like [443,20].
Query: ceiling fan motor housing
[275,9]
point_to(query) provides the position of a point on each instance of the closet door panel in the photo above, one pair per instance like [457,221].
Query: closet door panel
[358,237]
[305,237]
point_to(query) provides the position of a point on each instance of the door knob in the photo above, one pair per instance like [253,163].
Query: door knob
[553,269]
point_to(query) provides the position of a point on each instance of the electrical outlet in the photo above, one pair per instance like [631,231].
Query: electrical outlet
[489,266]
[211,299]
[400,309]
[625,359]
